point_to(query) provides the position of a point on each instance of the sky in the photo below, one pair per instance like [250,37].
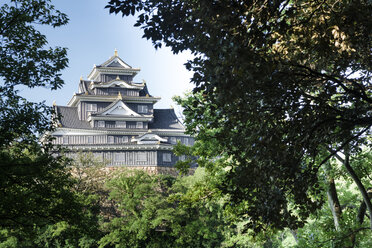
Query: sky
[92,35]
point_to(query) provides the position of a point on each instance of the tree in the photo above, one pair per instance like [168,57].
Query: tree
[26,60]
[283,85]
[36,189]
[156,211]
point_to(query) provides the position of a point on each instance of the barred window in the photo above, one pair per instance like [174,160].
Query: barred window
[167,157]
[110,139]
[101,123]
[91,107]
[173,140]
[142,109]
[119,157]
[142,157]
[121,124]
[139,124]
[124,139]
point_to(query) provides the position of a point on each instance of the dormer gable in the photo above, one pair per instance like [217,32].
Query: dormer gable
[113,66]
[149,138]
[117,82]
[115,61]
[117,108]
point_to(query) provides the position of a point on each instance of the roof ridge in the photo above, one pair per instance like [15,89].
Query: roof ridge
[61,106]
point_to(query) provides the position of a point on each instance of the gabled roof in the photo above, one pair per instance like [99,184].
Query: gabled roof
[117,82]
[165,119]
[114,65]
[144,91]
[148,138]
[116,108]
[115,61]
[84,87]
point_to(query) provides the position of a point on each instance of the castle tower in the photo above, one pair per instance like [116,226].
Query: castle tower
[114,118]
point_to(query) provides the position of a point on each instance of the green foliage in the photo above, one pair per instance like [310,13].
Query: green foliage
[38,204]
[160,211]
[277,84]
[26,60]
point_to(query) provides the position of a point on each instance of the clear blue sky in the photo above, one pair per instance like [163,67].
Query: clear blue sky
[91,38]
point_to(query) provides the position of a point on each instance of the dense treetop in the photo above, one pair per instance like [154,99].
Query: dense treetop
[284,85]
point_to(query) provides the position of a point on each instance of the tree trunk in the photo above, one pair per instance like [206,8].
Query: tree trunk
[363,207]
[354,176]
[334,203]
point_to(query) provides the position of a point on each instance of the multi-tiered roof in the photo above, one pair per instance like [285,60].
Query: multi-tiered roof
[113,116]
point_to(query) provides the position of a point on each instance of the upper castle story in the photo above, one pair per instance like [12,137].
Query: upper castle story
[110,94]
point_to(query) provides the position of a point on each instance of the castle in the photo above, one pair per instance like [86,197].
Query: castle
[114,118]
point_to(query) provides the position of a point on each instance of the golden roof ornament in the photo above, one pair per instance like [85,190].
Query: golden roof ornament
[81,78]
[117,77]
[54,103]
[116,53]
[119,96]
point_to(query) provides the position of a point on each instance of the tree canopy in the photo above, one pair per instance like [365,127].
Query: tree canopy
[26,60]
[36,190]
[282,86]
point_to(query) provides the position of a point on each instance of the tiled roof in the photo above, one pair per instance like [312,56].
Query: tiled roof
[115,64]
[70,119]
[165,119]
[87,88]
[144,91]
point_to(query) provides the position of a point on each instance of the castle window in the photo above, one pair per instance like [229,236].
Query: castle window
[110,139]
[132,93]
[124,139]
[141,157]
[142,109]
[65,140]
[139,124]
[91,107]
[90,139]
[113,91]
[119,157]
[121,124]
[101,123]
[173,140]
[167,157]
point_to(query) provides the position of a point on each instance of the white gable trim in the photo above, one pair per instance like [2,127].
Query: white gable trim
[149,138]
[117,82]
[119,108]
[114,59]
[118,60]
